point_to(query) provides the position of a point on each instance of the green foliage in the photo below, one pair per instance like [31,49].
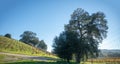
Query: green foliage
[8,35]
[64,45]
[91,29]
[41,45]
[15,46]
[30,38]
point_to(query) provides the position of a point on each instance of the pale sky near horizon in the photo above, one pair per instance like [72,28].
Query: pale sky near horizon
[47,18]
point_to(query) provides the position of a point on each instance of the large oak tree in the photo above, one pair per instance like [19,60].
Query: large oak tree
[91,29]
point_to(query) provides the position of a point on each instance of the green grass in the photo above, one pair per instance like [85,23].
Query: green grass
[7,58]
[57,62]
[2,57]
[17,47]
[39,62]
[26,61]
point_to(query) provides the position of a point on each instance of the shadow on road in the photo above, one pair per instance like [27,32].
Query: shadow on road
[39,62]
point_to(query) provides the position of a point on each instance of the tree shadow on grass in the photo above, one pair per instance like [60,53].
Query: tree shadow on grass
[39,62]
[32,62]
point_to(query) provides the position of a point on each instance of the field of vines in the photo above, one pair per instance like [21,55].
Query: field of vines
[104,61]
[15,46]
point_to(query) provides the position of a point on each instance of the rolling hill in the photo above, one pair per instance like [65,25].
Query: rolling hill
[14,46]
[111,53]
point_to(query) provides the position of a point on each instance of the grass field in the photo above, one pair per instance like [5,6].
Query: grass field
[15,46]
[5,59]
[37,62]
[55,62]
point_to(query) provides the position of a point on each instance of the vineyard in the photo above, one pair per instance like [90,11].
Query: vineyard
[15,46]
[104,61]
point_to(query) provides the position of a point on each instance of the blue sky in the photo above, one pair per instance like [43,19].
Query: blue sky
[47,18]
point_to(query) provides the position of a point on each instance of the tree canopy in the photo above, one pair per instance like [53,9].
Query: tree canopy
[8,35]
[30,38]
[90,29]
[41,45]
[64,46]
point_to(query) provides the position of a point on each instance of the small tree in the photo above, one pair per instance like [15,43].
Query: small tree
[64,45]
[41,45]
[29,37]
[8,35]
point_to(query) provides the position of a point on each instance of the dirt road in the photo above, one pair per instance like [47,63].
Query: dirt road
[27,56]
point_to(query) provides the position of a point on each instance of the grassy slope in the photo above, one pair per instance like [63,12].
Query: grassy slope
[15,46]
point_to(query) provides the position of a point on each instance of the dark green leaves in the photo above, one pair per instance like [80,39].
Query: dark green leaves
[90,31]
[30,38]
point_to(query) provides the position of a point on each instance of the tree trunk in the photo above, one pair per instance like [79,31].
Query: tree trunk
[78,58]
[68,61]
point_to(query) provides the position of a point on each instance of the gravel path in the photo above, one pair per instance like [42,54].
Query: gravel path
[27,56]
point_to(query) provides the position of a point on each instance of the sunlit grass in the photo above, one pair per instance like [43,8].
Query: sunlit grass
[28,61]
[15,46]
[39,62]
[8,58]
[57,62]
[2,57]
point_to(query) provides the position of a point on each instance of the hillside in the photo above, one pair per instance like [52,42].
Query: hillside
[14,46]
[110,53]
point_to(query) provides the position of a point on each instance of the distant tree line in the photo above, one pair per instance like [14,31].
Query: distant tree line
[30,38]
[81,36]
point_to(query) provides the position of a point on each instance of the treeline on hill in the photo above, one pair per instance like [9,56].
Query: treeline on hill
[81,36]
[30,38]
[114,53]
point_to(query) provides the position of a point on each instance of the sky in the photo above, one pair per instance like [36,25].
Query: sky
[47,18]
